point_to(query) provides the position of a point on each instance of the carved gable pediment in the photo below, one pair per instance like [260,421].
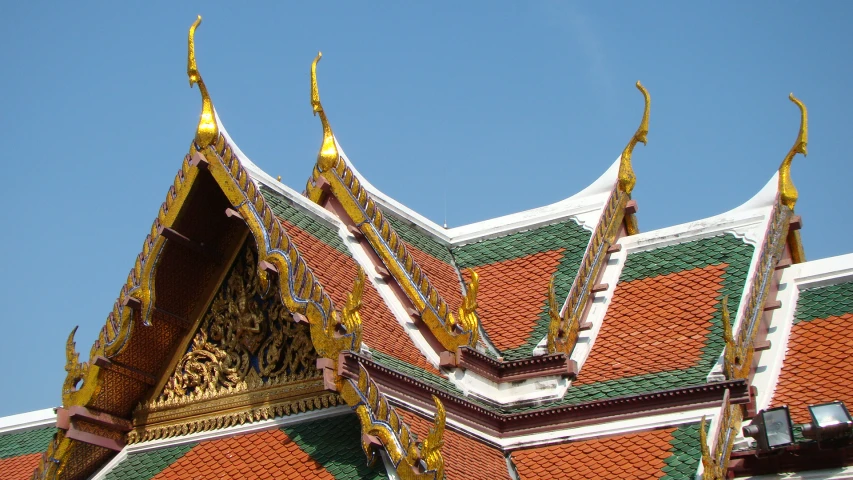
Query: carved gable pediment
[247,360]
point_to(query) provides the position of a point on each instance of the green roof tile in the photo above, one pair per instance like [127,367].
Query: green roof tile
[335,443]
[144,465]
[282,208]
[685,453]
[823,302]
[418,238]
[16,444]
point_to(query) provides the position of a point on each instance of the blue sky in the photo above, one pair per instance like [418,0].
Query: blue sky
[493,107]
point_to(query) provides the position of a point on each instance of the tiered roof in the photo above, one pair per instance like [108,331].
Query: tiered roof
[559,342]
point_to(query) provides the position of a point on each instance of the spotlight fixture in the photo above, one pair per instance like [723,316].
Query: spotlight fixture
[771,429]
[829,420]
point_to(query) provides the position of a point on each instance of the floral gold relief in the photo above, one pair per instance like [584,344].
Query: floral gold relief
[248,360]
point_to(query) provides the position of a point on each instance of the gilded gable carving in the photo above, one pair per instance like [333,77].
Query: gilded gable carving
[247,361]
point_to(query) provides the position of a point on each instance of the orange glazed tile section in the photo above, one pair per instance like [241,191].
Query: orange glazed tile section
[336,273]
[512,296]
[442,276]
[635,455]
[19,468]
[264,455]
[464,457]
[819,358]
[655,325]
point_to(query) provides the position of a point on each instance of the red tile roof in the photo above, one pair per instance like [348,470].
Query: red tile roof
[442,276]
[19,468]
[336,272]
[633,455]
[464,457]
[512,296]
[655,324]
[265,455]
[816,365]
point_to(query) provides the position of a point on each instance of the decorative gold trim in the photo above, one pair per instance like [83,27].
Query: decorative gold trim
[379,419]
[563,328]
[715,462]
[468,320]
[787,190]
[367,216]
[207,130]
[627,179]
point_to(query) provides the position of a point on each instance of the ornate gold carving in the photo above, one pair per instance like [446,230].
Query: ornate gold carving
[76,371]
[738,352]
[468,320]
[246,335]
[380,420]
[207,130]
[351,318]
[786,186]
[248,361]
[715,461]
[627,179]
[328,151]
[364,212]
[563,329]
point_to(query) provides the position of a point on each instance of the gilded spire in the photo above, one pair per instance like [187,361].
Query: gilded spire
[786,187]
[207,130]
[329,151]
[627,179]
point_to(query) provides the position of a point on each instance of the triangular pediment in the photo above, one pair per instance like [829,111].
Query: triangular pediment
[246,360]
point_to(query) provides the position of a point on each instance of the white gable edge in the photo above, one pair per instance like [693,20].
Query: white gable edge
[27,421]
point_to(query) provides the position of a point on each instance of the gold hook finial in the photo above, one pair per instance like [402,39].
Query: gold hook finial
[627,179]
[329,151]
[786,187]
[207,130]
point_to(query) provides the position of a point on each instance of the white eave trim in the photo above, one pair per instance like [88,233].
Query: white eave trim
[27,421]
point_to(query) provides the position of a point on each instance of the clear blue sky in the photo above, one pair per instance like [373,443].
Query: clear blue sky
[497,106]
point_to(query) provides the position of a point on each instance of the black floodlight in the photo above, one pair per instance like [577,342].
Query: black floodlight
[771,429]
[829,420]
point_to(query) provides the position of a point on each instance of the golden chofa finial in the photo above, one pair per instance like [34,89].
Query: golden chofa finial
[207,131]
[787,191]
[627,179]
[329,151]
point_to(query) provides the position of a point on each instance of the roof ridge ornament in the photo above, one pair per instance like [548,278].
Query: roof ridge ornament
[207,130]
[329,151]
[786,187]
[627,179]
[467,311]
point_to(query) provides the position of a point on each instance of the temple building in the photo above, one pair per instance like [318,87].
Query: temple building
[337,334]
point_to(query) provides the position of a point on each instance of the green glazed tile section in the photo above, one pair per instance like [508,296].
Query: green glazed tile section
[675,258]
[316,227]
[335,443]
[686,453]
[16,444]
[415,372]
[567,235]
[823,302]
[418,238]
[142,466]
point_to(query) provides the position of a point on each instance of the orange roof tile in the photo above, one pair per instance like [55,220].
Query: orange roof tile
[464,457]
[264,455]
[19,468]
[336,272]
[819,357]
[633,455]
[655,324]
[442,276]
[513,294]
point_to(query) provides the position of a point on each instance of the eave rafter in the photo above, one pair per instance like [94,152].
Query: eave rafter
[564,325]
[279,265]
[332,175]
